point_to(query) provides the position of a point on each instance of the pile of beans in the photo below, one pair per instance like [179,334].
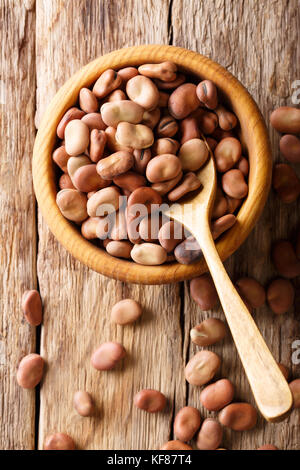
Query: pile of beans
[137,138]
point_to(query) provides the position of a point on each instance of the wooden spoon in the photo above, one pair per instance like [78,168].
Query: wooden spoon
[269,387]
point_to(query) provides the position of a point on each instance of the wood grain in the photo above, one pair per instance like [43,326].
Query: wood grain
[259,44]
[18,229]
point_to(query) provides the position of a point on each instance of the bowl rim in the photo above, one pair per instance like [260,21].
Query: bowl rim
[253,130]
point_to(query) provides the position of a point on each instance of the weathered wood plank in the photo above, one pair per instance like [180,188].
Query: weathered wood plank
[18,226]
[258,42]
[78,301]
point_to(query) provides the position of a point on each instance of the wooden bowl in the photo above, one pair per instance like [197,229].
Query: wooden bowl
[254,135]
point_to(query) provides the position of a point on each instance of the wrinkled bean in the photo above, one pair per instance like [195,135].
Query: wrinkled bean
[227,153]
[106,83]
[149,400]
[72,204]
[280,295]
[238,416]
[209,332]
[186,423]
[112,143]
[216,396]
[210,435]
[108,355]
[136,135]
[151,118]
[143,91]
[30,371]
[163,168]
[32,307]
[183,101]
[165,71]
[202,367]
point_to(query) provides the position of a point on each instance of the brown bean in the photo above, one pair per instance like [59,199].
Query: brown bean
[87,179]
[136,135]
[238,416]
[165,145]
[130,181]
[216,396]
[212,143]
[143,91]
[233,204]
[175,445]
[188,251]
[114,165]
[83,403]
[170,234]
[151,118]
[61,158]
[88,101]
[206,120]
[65,182]
[210,435]
[166,186]
[203,291]
[280,295]
[219,134]
[186,423]
[98,140]
[148,254]
[104,201]
[120,249]
[183,101]
[295,389]
[243,165]
[72,113]
[77,137]
[94,121]
[227,153]
[208,332]
[127,73]
[267,447]
[220,205]
[290,148]
[167,127]
[234,184]
[72,204]
[285,259]
[163,100]
[202,367]
[252,291]
[165,71]
[117,111]
[193,154]
[89,228]
[189,129]
[106,83]
[32,307]
[116,95]
[59,441]
[108,355]
[179,80]
[149,400]
[30,371]
[126,311]
[207,94]
[227,120]
[286,182]
[189,183]
[163,168]
[74,163]
[286,120]
[222,224]
[141,159]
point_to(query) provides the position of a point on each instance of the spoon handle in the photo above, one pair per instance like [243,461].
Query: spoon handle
[269,387]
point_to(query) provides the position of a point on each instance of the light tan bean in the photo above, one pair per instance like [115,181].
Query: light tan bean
[72,204]
[114,165]
[141,160]
[252,291]
[61,158]
[238,416]
[119,248]
[170,234]
[166,186]
[112,143]
[108,355]
[209,332]
[216,396]
[151,118]
[127,73]
[165,145]
[136,135]
[207,94]
[175,445]
[190,182]
[186,423]
[290,148]
[167,127]
[227,153]
[227,120]
[202,367]
[286,120]
[32,307]
[193,154]
[183,101]
[163,168]
[203,291]
[97,144]
[126,311]
[59,441]
[65,182]
[130,181]
[108,198]
[30,371]
[89,228]
[165,71]
[104,227]
[286,182]
[87,179]
[83,403]
[116,95]
[280,295]
[118,111]
[74,163]
[210,435]
[143,91]
[94,121]
[149,400]
[106,83]
[234,184]
[149,254]
[285,259]
[295,389]
[189,129]
[88,101]
[77,137]
[72,113]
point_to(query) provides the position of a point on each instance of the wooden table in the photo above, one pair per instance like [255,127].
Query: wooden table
[43,43]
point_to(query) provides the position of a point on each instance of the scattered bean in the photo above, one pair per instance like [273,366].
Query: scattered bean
[216,396]
[238,416]
[126,311]
[108,355]
[209,332]
[83,403]
[130,181]
[32,307]
[59,441]
[290,148]
[286,120]
[30,371]
[280,295]
[149,400]
[252,291]
[203,291]
[210,435]
[186,423]
[202,367]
